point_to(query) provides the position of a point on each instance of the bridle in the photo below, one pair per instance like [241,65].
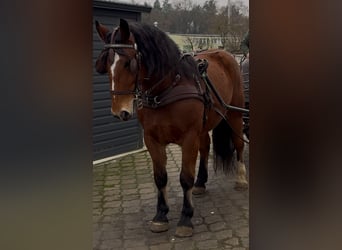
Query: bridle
[139,95]
[147,98]
[137,90]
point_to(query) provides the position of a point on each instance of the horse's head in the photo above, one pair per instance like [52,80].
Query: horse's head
[121,60]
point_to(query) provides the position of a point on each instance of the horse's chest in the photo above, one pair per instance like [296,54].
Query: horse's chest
[162,129]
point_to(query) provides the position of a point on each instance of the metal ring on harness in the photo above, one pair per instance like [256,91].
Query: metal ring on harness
[156,102]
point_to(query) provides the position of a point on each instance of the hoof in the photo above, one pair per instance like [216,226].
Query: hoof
[241,186]
[158,227]
[198,190]
[183,231]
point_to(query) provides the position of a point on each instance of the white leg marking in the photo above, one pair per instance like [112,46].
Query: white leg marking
[241,181]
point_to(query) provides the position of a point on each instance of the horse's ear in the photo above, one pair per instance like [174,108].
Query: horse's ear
[124,30]
[103,31]
[101,62]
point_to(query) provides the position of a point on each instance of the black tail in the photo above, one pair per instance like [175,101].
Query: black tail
[223,147]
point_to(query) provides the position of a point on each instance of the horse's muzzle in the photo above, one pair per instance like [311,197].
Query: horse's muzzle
[125,115]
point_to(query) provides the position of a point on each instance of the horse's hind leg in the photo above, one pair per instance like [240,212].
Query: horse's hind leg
[237,126]
[189,156]
[202,176]
[160,222]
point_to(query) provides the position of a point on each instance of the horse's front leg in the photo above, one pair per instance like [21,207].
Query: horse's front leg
[157,151]
[189,155]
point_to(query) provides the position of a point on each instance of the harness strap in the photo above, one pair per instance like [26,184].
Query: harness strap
[219,98]
[225,118]
[177,93]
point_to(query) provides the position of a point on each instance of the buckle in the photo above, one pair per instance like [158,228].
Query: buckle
[155,100]
[139,102]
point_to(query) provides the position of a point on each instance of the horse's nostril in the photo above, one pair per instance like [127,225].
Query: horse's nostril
[125,115]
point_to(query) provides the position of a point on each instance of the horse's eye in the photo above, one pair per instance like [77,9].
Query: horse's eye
[127,64]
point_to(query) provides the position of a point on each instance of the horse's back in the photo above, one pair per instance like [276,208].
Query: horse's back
[224,73]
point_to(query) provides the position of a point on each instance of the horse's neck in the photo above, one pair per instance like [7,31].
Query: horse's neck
[156,85]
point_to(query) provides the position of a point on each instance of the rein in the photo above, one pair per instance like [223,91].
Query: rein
[146,98]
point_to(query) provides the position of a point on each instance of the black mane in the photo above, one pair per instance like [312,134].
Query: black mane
[160,54]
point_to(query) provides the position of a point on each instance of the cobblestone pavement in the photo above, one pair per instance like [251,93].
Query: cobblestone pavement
[125,197]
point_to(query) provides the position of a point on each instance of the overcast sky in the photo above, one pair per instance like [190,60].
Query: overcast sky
[219,2]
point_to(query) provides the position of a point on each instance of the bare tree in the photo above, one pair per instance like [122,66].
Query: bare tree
[185,17]
[189,43]
[233,30]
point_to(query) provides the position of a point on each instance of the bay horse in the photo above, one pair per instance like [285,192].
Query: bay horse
[174,104]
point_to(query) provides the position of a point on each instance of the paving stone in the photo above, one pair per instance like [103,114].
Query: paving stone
[111,243]
[242,232]
[129,173]
[144,180]
[130,197]
[188,245]
[163,246]
[200,228]
[225,210]
[232,242]
[146,190]
[111,211]
[112,177]
[134,225]
[238,224]
[223,203]
[108,235]
[212,219]
[133,233]
[208,244]
[129,191]
[217,226]
[130,210]
[125,199]
[203,236]
[204,212]
[149,202]
[149,196]
[97,205]
[97,211]
[114,197]
[134,242]
[97,198]
[114,173]
[232,217]
[112,192]
[131,203]
[112,182]
[137,248]
[221,235]
[245,242]
[157,238]
[146,185]
[106,218]
[115,204]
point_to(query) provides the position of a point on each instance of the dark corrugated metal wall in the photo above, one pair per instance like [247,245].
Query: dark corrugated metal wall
[110,136]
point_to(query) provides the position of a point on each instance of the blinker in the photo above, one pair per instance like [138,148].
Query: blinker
[133,66]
